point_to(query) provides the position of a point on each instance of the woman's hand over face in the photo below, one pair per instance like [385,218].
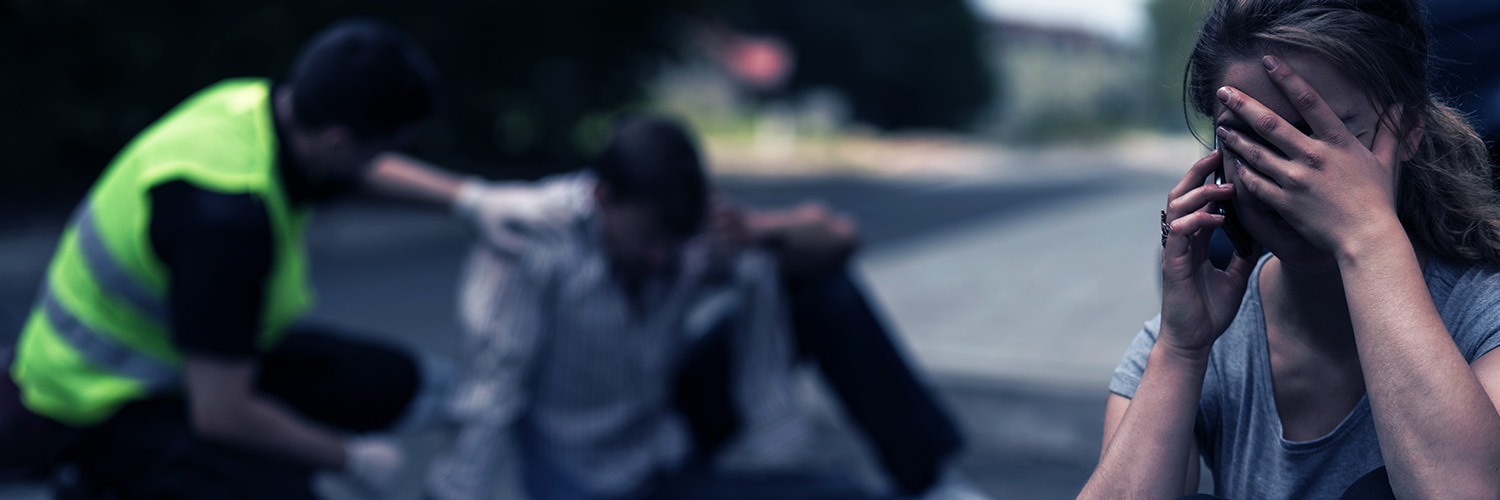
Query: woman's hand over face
[1329,186]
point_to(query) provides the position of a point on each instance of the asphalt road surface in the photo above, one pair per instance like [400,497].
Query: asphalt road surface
[1016,297]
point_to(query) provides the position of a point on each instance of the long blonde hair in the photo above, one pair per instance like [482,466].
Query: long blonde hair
[1445,196]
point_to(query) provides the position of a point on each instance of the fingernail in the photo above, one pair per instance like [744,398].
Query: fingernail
[1222,132]
[1224,94]
[1228,186]
[1270,62]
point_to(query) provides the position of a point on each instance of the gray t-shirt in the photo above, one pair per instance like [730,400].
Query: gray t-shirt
[1238,431]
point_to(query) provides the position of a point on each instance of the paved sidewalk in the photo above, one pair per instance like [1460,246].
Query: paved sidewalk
[1016,294]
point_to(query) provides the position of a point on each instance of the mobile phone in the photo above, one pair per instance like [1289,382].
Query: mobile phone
[1237,235]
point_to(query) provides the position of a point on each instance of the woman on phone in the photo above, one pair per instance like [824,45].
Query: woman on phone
[1354,359]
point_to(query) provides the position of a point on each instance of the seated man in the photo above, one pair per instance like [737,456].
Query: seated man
[596,345]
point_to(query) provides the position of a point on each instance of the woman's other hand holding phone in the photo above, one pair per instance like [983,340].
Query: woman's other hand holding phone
[1198,299]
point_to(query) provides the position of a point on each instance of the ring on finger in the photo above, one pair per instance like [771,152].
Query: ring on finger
[1165,229]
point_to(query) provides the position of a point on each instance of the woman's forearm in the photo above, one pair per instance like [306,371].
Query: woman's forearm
[1439,431]
[1148,454]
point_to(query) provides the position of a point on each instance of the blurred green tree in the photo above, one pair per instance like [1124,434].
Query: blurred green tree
[1174,30]
[531,85]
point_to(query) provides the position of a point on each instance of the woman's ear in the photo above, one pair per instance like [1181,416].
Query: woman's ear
[1415,126]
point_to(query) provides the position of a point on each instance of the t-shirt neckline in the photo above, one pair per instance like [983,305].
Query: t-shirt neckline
[1266,386]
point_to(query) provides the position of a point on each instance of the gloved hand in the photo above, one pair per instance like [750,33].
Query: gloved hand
[374,462]
[507,214]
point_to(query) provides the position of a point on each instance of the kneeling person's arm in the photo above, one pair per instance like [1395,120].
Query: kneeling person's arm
[217,248]
[225,409]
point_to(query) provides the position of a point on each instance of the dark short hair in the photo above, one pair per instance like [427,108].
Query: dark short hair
[366,75]
[655,161]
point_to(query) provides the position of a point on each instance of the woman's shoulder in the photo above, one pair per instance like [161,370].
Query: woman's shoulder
[1467,297]
[1477,282]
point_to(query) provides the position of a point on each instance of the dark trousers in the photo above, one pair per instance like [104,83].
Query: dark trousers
[149,451]
[1373,486]
[837,329]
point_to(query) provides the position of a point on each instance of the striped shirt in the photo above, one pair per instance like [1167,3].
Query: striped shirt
[559,359]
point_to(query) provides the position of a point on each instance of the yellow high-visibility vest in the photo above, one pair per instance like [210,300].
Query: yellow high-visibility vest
[98,336]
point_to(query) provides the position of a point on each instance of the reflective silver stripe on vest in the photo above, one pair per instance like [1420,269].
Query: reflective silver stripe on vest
[103,351]
[107,272]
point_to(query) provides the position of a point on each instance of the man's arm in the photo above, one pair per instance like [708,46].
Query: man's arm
[398,176]
[224,408]
[217,248]
[807,239]
[504,214]
[809,236]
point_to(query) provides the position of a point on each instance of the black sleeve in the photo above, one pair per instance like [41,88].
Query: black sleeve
[217,250]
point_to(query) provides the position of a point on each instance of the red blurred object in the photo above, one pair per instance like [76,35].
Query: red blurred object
[759,62]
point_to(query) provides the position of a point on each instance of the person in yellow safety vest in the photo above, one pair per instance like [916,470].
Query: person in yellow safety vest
[164,349]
